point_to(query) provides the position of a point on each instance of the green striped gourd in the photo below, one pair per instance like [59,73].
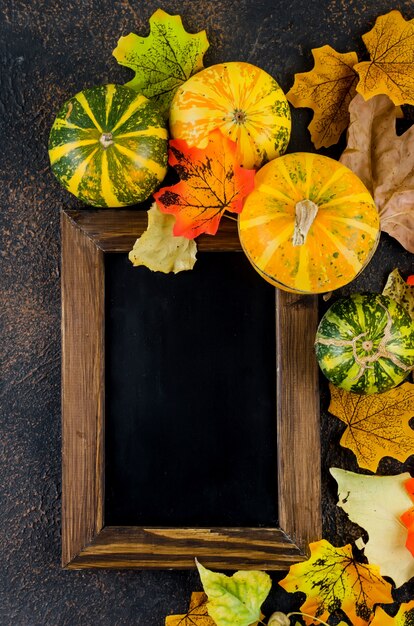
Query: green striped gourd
[108,146]
[365,343]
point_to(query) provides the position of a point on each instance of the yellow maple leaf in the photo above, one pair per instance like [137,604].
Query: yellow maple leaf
[377,424]
[391,68]
[332,579]
[327,89]
[404,617]
[197,614]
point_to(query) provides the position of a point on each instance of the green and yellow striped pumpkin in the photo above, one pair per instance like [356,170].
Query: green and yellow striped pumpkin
[108,146]
[365,343]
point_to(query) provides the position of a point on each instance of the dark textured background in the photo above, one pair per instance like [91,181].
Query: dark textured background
[49,50]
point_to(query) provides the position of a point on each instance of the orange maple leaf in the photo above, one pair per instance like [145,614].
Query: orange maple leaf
[332,579]
[408,518]
[377,424]
[197,614]
[404,617]
[327,89]
[212,181]
[391,68]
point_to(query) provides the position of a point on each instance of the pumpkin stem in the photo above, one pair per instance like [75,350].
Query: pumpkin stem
[305,213]
[106,140]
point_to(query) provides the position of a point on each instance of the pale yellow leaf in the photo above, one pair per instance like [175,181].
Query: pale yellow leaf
[397,288]
[376,503]
[278,619]
[161,251]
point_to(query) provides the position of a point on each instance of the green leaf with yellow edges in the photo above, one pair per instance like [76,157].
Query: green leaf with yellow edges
[164,60]
[235,600]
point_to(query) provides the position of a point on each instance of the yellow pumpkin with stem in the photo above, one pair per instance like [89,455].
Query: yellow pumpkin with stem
[310,225]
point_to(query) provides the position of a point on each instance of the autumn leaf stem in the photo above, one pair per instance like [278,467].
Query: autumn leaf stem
[307,615]
[234,219]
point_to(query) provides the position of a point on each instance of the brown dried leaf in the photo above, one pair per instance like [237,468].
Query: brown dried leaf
[385,163]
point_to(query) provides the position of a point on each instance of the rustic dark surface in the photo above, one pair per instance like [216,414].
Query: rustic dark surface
[49,51]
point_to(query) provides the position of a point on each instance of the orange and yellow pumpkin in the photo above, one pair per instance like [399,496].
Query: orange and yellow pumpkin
[244,102]
[310,225]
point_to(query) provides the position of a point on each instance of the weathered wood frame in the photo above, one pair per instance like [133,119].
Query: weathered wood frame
[86,542]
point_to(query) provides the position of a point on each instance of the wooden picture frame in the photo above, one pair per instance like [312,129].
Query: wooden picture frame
[86,542]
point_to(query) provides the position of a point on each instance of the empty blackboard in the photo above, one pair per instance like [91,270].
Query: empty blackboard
[190,378]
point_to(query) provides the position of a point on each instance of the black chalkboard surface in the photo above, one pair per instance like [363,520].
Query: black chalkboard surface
[190,378]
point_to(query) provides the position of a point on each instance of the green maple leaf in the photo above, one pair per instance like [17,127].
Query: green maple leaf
[235,600]
[164,60]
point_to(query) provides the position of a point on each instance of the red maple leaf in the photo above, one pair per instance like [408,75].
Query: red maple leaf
[212,182]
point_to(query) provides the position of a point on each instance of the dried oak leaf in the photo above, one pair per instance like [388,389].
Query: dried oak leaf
[404,617]
[377,424]
[327,89]
[397,288]
[212,182]
[159,250]
[332,579]
[384,162]
[376,503]
[391,68]
[407,517]
[197,614]
[164,60]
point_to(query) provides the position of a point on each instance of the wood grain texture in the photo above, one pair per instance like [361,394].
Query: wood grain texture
[298,428]
[115,230]
[82,389]
[87,543]
[221,548]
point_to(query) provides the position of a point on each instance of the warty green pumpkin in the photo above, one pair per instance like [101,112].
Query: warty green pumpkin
[365,343]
